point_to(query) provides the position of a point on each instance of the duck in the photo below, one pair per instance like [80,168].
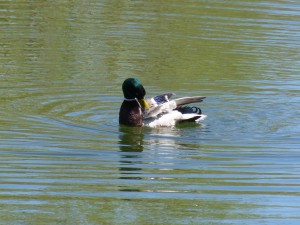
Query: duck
[158,111]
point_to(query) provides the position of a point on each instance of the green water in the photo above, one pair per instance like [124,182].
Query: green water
[65,160]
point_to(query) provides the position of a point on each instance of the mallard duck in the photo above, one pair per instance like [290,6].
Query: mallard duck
[158,111]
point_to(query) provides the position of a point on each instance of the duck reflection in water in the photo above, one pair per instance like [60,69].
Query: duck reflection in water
[131,145]
[131,139]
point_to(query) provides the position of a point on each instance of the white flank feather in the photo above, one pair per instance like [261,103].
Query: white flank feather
[171,118]
[201,118]
[166,120]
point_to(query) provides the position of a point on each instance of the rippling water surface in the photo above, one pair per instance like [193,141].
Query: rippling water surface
[65,160]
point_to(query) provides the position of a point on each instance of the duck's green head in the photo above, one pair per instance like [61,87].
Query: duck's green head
[133,89]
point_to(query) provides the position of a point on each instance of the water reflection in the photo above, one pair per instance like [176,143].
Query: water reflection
[164,137]
[156,166]
[137,167]
[131,140]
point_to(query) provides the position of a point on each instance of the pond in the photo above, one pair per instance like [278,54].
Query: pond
[64,158]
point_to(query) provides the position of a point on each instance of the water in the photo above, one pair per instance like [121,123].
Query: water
[65,160]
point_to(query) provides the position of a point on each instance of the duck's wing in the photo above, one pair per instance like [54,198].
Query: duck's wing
[159,99]
[163,98]
[160,109]
[188,100]
[168,106]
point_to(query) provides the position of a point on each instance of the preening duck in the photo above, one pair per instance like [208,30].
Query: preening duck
[157,111]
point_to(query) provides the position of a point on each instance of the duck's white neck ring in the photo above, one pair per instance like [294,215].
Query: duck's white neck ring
[131,100]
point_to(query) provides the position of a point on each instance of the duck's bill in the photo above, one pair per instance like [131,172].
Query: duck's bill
[143,103]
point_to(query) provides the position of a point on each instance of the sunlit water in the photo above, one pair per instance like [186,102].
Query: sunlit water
[64,158]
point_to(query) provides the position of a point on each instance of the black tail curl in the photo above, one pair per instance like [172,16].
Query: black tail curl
[189,109]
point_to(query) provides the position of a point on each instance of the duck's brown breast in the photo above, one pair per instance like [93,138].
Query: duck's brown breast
[130,114]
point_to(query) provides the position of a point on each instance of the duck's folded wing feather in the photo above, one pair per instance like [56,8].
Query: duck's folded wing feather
[188,100]
[163,108]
